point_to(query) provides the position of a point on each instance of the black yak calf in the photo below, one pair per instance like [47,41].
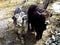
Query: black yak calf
[37,20]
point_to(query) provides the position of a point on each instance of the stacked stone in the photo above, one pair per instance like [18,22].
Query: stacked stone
[54,36]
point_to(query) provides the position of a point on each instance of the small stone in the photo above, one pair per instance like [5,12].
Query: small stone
[53,44]
[53,37]
[58,44]
[48,41]
[1,43]
[58,34]
[52,32]
[57,38]
[9,43]
[58,41]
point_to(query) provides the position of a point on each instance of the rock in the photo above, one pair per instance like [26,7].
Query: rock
[5,25]
[58,44]
[58,41]
[9,35]
[48,41]
[9,43]
[53,38]
[1,43]
[54,29]
[53,44]
[57,38]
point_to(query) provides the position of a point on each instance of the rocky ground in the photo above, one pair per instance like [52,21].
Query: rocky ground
[51,36]
[54,31]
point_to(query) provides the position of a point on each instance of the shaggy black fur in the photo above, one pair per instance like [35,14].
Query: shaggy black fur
[37,21]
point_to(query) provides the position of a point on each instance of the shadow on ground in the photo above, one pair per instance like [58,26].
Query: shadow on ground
[30,39]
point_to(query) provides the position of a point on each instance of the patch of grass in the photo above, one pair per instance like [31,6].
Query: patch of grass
[4,4]
[27,4]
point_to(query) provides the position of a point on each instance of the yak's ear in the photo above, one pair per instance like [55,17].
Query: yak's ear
[13,17]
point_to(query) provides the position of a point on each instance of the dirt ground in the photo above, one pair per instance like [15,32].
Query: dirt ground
[31,40]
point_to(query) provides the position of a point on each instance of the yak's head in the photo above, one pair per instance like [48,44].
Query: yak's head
[21,19]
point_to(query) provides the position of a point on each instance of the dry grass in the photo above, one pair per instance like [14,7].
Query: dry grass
[4,4]
[27,4]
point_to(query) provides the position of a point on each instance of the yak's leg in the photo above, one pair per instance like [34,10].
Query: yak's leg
[39,33]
